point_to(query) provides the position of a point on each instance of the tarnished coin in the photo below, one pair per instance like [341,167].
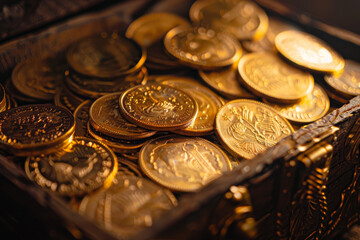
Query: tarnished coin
[81,115]
[152,27]
[158,107]
[84,166]
[243,19]
[309,109]
[183,164]
[130,205]
[248,127]
[226,82]
[105,56]
[38,78]
[207,101]
[105,117]
[348,83]
[308,51]
[269,76]
[35,129]
[202,48]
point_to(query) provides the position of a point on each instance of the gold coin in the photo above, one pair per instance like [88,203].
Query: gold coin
[226,82]
[159,59]
[348,83]
[105,56]
[81,116]
[34,129]
[105,117]
[269,76]
[129,168]
[202,48]
[309,109]
[3,99]
[95,88]
[84,166]
[308,51]
[130,205]
[65,98]
[152,27]
[116,144]
[207,101]
[158,107]
[183,164]
[247,127]
[243,19]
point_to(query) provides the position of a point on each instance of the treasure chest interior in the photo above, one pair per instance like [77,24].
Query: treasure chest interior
[305,186]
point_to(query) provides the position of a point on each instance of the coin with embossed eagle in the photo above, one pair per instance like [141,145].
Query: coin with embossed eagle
[158,107]
[82,167]
[247,127]
[34,129]
[183,163]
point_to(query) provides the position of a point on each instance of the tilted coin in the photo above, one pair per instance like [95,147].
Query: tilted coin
[158,107]
[243,19]
[309,109]
[269,76]
[105,117]
[152,27]
[81,115]
[127,167]
[226,82]
[64,97]
[84,166]
[90,87]
[181,163]
[248,127]
[348,83]
[202,48]
[130,205]
[207,101]
[308,51]
[105,56]
[13,92]
[3,99]
[35,129]
[38,78]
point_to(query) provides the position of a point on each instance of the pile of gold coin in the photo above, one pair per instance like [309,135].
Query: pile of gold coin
[121,123]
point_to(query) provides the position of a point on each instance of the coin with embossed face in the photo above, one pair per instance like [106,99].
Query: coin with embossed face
[247,127]
[308,51]
[348,83]
[37,78]
[269,76]
[35,129]
[311,108]
[152,27]
[130,205]
[158,107]
[202,48]
[208,104]
[181,163]
[105,56]
[226,82]
[84,166]
[243,19]
[105,117]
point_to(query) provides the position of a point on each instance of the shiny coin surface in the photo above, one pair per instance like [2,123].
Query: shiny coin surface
[152,27]
[183,164]
[309,109]
[243,19]
[207,101]
[84,166]
[38,78]
[348,83]
[105,56]
[158,107]
[226,82]
[105,117]
[269,76]
[308,51]
[248,127]
[202,48]
[34,129]
[81,115]
[130,205]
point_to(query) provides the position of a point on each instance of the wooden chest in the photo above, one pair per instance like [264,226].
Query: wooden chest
[305,187]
